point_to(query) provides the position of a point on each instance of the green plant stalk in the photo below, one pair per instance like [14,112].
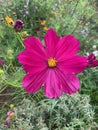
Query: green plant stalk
[9,83]
[3,89]
[20,40]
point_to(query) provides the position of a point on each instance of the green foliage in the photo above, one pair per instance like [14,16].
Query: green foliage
[89,85]
[66,113]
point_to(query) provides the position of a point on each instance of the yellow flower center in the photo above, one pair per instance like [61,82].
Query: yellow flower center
[52,62]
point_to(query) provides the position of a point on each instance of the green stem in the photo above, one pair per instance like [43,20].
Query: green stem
[78,22]
[20,40]
[9,83]
[6,94]
[3,89]
[75,8]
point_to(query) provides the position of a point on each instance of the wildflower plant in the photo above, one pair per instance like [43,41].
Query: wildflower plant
[10,115]
[9,21]
[67,112]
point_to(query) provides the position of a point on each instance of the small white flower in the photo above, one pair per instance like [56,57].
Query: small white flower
[87,54]
[27,12]
[94,46]
[95,53]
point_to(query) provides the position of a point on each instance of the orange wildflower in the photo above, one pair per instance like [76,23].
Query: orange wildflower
[45,28]
[43,22]
[9,20]
[11,115]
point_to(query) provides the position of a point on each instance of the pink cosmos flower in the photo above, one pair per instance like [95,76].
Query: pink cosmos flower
[92,61]
[53,65]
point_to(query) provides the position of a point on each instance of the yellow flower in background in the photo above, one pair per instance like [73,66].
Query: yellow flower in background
[55,14]
[14,13]
[24,34]
[43,22]
[1,19]
[45,28]
[9,20]
[51,19]
[11,105]
[10,52]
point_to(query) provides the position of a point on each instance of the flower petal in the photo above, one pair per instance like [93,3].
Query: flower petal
[70,83]
[34,57]
[32,82]
[74,64]
[32,61]
[52,87]
[67,46]
[51,40]
[35,45]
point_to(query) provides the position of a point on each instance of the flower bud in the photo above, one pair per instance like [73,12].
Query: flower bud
[92,61]
[24,35]
[18,25]
[10,52]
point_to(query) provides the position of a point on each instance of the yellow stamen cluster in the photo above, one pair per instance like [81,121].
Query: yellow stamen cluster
[9,20]
[52,62]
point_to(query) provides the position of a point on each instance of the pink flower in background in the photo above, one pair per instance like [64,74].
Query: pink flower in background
[53,65]
[39,32]
[0,62]
[10,115]
[92,61]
